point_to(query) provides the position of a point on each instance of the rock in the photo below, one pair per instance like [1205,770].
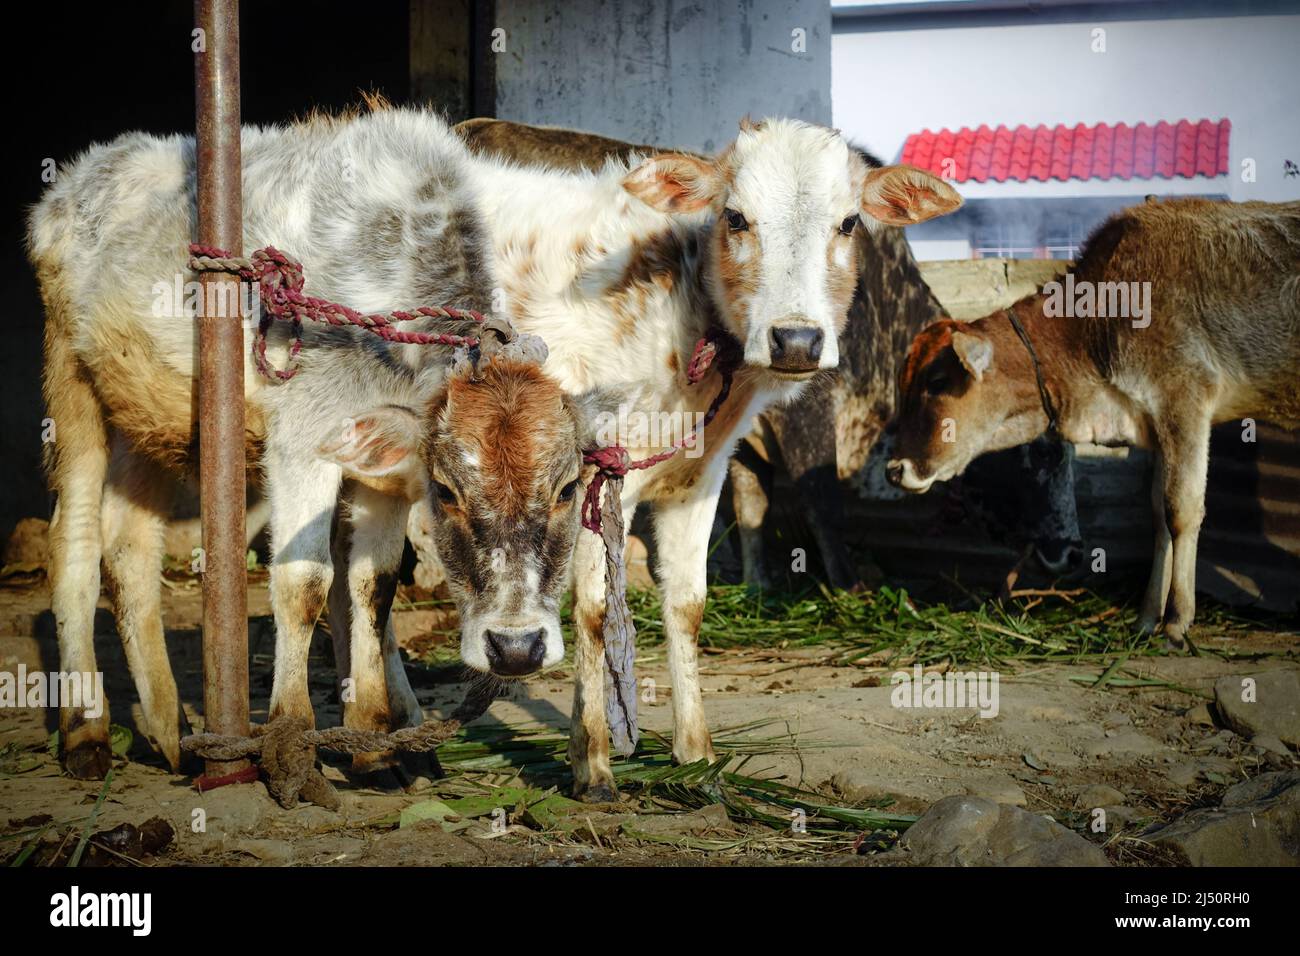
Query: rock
[1258,824]
[274,852]
[1122,741]
[999,790]
[236,809]
[1270,743]
[309,816]
[1264,787]
[1200,716]
[1274,709]
[29,544]
[1119,817]
[1098,795]
[973,831]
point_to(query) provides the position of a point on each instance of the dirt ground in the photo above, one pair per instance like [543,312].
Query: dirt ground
[1052,740]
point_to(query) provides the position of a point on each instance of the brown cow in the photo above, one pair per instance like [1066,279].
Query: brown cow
[1179,315]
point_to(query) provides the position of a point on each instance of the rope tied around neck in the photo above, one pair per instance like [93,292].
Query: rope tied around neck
[1053,423]
[280,281]
[605,518]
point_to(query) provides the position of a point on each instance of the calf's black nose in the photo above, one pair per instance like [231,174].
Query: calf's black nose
[514,655]
[795,348]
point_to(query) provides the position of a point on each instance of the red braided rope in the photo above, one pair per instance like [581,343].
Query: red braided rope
[612,461]
[280,282]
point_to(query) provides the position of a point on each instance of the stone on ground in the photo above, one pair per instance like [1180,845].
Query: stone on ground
[973,831]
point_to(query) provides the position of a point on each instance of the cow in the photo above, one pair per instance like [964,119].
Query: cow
[755,243]
[835,433]
[363,428]
[1179,314]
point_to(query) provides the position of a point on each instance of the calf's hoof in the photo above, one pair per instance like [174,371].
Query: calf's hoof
[421,766]
[381,779]
[693,750]
[1175,636]
[90,760]
[597,793]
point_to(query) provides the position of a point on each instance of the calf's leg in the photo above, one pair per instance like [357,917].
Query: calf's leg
[593,780]
[750,478]
[1157,593]
[367,551]
[136,501]
[682,535]
[303,496]
[78,460]
[807,440]
[1185,446]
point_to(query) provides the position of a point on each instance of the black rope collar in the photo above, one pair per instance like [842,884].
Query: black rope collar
[1043,395]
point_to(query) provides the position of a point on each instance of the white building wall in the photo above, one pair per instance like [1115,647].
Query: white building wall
[886,85]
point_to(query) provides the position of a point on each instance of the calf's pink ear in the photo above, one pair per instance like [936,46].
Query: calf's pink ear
[905,195]
[380,449]
[675,182]
[975,353]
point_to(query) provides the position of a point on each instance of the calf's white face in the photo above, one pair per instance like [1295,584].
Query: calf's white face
[780,260]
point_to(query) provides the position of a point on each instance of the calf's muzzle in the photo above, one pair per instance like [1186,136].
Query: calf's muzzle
[795,348]
[514,653]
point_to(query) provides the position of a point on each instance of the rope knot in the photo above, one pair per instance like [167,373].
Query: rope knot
[612,461]
[276,272]
[715,346]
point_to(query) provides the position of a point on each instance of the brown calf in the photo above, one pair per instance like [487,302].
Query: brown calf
[1179,315]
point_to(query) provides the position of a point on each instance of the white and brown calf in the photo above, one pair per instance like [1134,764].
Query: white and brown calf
[1219,340]
[621,271]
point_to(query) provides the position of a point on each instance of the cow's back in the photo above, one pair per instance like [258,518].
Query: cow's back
[376,207]
[1224,297]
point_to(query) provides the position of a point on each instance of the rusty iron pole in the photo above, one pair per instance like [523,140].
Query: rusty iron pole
[221,384]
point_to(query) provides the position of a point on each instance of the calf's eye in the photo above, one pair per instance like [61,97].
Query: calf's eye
[848,225]
[937,383]
[568,491]
[445,494]
[736,221]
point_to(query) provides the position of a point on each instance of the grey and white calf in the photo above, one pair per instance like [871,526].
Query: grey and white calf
[363,429]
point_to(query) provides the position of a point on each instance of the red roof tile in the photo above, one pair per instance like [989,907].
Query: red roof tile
[1164,151]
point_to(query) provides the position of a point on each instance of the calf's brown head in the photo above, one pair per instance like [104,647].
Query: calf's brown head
[499,453]
[965,389]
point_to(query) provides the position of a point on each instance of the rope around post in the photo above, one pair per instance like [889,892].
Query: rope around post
[287,747]
[279,280]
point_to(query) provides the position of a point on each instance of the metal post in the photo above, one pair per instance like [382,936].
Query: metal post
[221,383]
